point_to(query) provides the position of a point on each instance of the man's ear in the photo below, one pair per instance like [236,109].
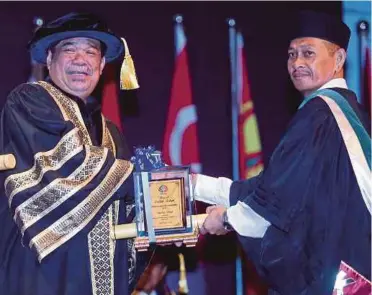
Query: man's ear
[49,59]
[340,59]
[103,63]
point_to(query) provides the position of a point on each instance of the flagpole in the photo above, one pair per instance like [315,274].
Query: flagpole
[234,101]
[37,69]
[178,31]
[235,138]
[363,30]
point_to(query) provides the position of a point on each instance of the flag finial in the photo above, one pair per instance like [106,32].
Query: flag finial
[178,18]
[231,22]
[363,26]
[38,21]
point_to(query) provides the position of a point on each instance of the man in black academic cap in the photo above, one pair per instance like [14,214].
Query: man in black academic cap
[306,219]
[73,180]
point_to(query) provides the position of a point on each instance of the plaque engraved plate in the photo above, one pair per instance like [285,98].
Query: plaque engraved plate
[167,198]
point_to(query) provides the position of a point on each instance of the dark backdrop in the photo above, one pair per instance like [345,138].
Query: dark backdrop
[148,28]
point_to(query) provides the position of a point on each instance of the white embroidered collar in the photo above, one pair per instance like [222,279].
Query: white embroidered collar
[339,83]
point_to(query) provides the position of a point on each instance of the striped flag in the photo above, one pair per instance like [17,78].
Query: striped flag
[250,152]
[246,148]
[249,144]
[181,144]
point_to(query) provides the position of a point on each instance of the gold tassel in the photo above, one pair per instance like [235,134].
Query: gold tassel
[128,77]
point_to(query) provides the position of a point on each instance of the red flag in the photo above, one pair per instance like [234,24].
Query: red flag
[110,97]
[250,153]
[181,143]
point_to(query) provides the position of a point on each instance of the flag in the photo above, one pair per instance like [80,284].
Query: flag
[250,152]
[181,145]
[246,149]
[110,97]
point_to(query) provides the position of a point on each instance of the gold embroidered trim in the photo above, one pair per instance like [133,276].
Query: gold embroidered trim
[107,140]
[67,147]
[59,190]
[101,253]
[70,224]
[62,230]
[69,109]
[101,246]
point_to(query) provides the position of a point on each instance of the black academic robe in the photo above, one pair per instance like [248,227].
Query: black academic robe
[309,194]
[57,207]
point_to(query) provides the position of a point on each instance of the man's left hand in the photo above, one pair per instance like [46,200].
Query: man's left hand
[213,224]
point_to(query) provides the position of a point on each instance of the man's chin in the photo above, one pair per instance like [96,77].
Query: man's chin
[79,80]
[79,85]
[302,86]
[305,91]
[79,90]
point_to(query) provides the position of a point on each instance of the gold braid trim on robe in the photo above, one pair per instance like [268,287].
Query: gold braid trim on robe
[101,246]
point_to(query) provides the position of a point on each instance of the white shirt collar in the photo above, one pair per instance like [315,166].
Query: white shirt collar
[338,82]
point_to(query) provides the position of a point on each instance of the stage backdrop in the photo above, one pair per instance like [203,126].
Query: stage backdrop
[148,28]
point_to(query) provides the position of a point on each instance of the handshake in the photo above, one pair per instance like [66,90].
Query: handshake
[165,197]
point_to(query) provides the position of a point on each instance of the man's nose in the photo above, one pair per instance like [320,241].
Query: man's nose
[79,57]
[298,62]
